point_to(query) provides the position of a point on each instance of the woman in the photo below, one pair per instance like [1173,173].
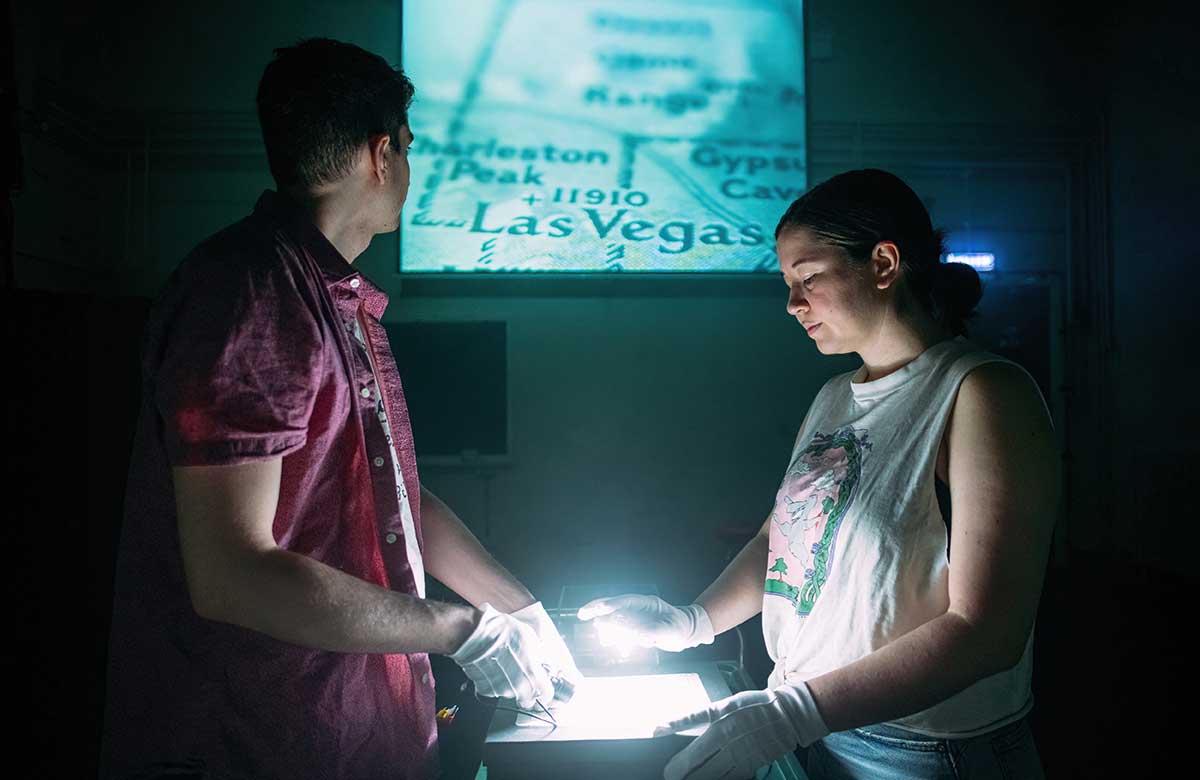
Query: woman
[901,635]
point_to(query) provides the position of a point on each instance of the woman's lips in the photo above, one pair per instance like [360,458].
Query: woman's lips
[812,328]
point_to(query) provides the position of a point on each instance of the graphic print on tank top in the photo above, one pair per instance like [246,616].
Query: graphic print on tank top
[816,493]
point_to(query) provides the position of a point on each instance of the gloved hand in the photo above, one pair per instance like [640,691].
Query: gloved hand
[748,730]
[553,647]
[503,657]
[649,621]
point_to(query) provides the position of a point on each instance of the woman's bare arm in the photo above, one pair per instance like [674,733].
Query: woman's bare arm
[1004,478]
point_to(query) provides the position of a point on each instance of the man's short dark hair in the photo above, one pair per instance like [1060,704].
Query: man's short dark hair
[319,101]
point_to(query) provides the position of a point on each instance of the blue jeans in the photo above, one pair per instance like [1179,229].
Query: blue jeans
[889,753]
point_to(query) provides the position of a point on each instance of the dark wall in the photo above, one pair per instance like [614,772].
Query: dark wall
[72,397]
[1154,126]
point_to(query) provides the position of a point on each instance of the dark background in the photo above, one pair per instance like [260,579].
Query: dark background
[648,426]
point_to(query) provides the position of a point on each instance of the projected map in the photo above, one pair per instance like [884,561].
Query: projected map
[599,136]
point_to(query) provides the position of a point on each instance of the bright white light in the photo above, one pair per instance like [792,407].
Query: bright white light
[980,261]
[627,707]
[616,636]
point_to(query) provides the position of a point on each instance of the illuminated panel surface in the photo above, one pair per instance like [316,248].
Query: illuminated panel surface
[625,707]
[601,136]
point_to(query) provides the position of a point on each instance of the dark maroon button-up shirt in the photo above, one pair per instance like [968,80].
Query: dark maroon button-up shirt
[250,354]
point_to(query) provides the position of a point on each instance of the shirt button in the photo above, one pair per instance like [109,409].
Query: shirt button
[355,283]
[379,461]
[425,678]
[365,392]
[391,538]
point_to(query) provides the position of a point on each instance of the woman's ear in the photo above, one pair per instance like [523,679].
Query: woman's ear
[885,264]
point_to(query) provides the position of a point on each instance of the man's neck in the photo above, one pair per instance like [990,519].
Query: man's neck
[339,215]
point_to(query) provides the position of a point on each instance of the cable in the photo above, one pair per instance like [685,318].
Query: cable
[527,712]
[520,711]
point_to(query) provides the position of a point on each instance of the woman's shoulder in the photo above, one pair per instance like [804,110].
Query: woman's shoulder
[963,359]
[1000,387]
[989,383]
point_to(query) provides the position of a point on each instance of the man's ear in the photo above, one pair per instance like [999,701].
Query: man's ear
[377,146]
[885,264]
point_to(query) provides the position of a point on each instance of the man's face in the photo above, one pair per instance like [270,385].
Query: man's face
[398,165]
[387,196]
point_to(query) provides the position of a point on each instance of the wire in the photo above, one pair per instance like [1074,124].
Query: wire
[520,711]
[530,714]
[546,710]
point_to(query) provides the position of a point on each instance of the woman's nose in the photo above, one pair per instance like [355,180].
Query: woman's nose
[796,301]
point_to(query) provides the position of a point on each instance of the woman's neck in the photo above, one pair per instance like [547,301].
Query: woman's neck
[898,342]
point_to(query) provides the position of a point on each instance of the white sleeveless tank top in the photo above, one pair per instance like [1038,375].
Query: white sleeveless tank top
[858,546]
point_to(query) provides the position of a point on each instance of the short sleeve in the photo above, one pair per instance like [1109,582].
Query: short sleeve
[239,364]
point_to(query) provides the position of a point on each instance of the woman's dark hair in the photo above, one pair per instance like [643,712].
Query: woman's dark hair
[858,209]
[319,101]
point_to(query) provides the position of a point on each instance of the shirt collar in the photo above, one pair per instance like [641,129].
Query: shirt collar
[346,285]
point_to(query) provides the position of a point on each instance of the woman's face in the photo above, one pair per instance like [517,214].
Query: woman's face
[835,300]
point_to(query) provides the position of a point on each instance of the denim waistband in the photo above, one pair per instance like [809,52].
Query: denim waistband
[895,732]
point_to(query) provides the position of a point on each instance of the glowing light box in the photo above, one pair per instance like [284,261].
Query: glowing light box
[605,731]
[601,706]
[601,135]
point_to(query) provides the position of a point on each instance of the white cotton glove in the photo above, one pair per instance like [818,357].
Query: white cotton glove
[648,621]
[748,730]
[553,647]
[503,657]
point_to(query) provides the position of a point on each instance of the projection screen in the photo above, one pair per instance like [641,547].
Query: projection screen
[601,136]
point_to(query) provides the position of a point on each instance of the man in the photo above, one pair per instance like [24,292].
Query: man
[269,614]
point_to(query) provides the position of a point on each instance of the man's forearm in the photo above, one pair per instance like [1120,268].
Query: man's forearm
[456,559]
[736,595]
[296,599]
